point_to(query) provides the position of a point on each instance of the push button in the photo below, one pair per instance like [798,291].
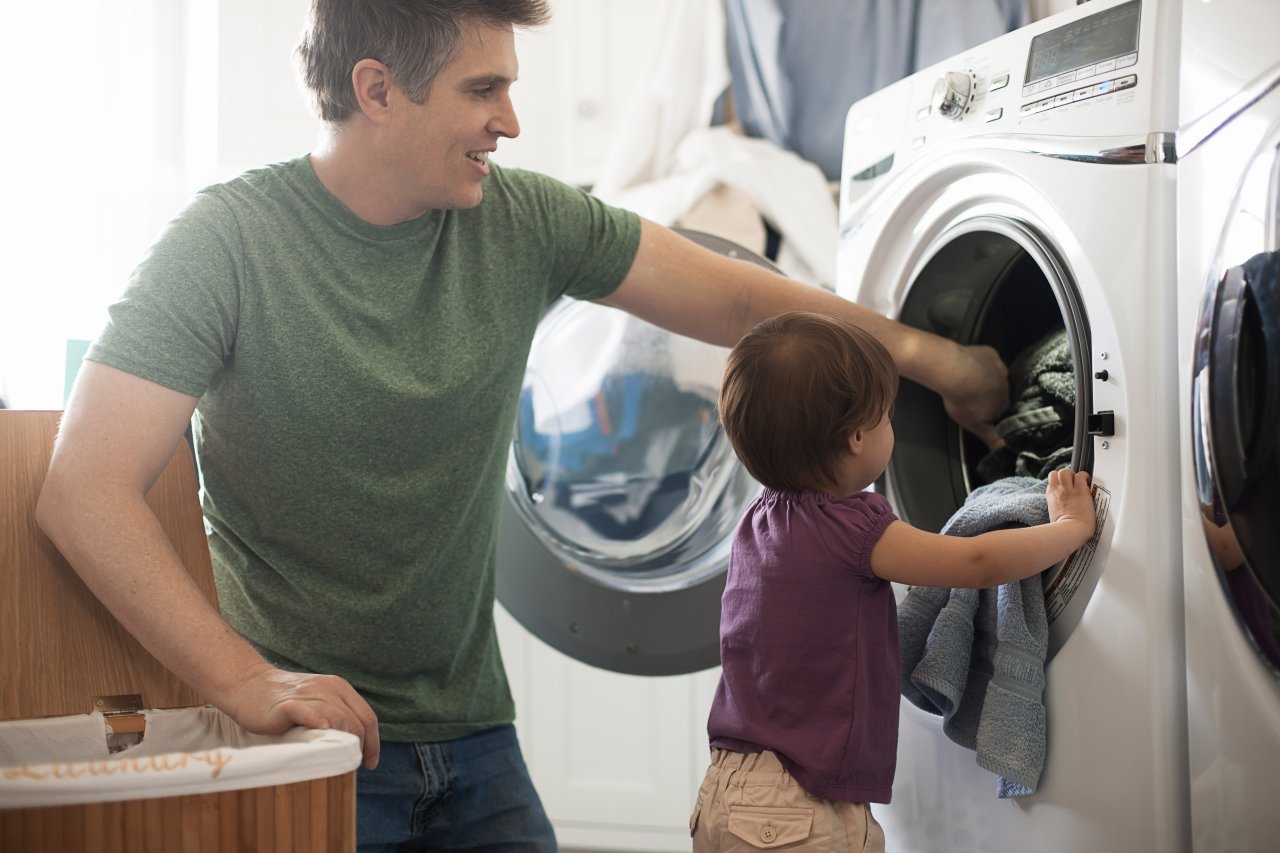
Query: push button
[768,834]
[999,82]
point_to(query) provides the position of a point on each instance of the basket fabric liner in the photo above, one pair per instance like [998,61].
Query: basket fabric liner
[65,760]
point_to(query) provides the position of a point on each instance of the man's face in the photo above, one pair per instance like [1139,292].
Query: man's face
[443,144]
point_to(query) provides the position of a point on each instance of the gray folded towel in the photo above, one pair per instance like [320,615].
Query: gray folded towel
[976,657]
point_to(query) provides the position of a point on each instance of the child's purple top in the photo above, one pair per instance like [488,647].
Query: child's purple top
[809,644]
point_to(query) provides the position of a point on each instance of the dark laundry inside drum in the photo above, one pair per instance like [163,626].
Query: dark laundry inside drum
[1038,429]
[986,286]
[1024,323]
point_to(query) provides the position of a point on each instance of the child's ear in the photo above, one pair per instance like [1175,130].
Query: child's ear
[855,442]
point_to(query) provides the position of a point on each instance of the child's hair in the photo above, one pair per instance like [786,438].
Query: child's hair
[795,388]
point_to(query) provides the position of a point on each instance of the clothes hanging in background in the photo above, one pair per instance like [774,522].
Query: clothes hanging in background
[669,164]
[798,65]
[787,191]
[976,657]
[684,77]
[1039,428]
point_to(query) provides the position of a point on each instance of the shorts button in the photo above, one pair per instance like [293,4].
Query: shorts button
[768,834]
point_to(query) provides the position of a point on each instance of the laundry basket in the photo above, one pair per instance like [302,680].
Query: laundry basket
[101,748]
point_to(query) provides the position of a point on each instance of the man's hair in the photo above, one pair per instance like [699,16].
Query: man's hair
[795,388]
[414,38]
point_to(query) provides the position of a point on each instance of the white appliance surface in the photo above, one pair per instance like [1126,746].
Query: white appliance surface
[1227,197]
[1064,148]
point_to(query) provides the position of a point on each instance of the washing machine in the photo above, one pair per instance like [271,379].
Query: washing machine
[1229,357]
[622,492]
[1023,190]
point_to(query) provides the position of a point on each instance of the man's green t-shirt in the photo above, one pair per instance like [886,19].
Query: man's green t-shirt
[358,387]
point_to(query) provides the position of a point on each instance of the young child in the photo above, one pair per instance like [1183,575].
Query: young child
[804,725]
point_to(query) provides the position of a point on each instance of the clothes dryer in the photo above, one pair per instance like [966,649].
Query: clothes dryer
[1021,189]
[1229,377]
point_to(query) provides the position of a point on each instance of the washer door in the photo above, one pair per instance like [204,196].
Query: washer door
[622,492]
[1235,417]
[996,280]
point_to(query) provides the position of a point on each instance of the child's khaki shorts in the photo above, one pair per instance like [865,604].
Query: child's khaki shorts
[749,802]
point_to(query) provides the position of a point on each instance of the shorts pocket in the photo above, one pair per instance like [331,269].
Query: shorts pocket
[770,826]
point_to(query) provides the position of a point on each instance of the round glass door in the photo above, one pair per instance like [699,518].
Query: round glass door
[622,492]
[996,280]
[1236,404]
[617,462]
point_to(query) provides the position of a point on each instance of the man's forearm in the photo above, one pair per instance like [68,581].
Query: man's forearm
[687,289]
[678,285]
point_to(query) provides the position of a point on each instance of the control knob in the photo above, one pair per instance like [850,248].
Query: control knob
[952,93]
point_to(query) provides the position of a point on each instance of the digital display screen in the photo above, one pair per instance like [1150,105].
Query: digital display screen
[1085,42]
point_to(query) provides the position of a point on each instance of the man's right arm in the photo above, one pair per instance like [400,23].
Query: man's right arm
[118,433]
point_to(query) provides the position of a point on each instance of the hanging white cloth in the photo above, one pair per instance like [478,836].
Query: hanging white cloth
[688,71]
[666,161]
[785,189]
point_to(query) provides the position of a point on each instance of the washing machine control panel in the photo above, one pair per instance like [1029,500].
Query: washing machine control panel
[1102,71]
[1098,50]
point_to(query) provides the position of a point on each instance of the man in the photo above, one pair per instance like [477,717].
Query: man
[349,330]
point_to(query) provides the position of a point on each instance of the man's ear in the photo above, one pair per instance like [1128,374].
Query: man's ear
[372,81]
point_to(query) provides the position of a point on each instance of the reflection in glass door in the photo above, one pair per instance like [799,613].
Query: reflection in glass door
[1236,406]
[622,492]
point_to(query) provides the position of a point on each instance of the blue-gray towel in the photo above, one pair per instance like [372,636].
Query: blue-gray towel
[976,657]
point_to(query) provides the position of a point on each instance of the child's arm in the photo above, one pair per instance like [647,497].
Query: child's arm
[907,555]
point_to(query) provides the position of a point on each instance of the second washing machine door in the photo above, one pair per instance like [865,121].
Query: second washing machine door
[622,492]
[1235,418]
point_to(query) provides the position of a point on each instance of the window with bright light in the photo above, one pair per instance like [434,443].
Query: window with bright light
[119,110]
[93,166]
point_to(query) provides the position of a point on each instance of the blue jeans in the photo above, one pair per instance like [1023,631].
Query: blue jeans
[469,794]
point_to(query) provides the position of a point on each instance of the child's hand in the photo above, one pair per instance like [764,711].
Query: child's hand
[1071,502]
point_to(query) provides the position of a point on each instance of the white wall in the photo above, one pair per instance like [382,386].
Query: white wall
[90,149]
[262,115]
